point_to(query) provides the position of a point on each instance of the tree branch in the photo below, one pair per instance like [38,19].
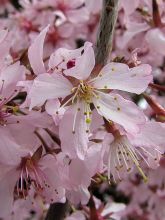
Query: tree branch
[106,31]
[57,211]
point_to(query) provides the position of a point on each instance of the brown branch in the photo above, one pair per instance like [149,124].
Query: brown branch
[156,14]
[94,215]
[47,149]
[156,107]
[106,31]
[57,211]
[53,136]
[157,87]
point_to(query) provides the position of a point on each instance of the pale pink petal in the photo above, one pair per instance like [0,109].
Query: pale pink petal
[93,6]
[80,195]
[75,3]
[83,64]
[156,40]
[84,195]
[4,46]
[26,86]
[27,139]
[133,30]
[73,135]
[78,15]
[9,77]
[10,151]
[54,193]
[52,107]
[47,86]
[3,35]
[96,121]
[95,153]
[151,134]
[119,76]
[152,156]
[78,174]
[7,184]
[129,8]
[66,30]
[61,56]
[35,53]
[76,215]
[115,209]
[116,108]
[81,171]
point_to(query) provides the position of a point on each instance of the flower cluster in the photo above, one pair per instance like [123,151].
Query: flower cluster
[69,127]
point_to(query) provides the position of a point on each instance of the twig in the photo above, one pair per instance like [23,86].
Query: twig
[57,211]
[157,108]
[157,87]
[53,136]
[156,14]
[94,215]
[106,31]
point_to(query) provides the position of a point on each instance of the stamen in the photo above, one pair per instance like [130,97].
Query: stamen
[2,86]
[142,157]
[121,149]
[137,164]
[74,120]
[30,175]
[109,163]
[67,102]
[118,157]
[153,156]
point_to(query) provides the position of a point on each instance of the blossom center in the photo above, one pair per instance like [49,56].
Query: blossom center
[85,92]
[30,175]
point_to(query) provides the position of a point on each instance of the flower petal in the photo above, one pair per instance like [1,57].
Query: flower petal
[35,53]
[114,107]
[9,77]
[61,57]
[78,16]
[74,139]
[151,135]
[83,64]
[133,28]
[156,40]
[119,76]
[46,87]
[7,184]
[10,151]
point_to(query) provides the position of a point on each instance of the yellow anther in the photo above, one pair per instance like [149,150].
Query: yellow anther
[88,120]
[15,109]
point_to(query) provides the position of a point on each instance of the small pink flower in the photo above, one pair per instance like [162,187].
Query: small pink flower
[9,77]
[26,171]
[82,90]
[127,151]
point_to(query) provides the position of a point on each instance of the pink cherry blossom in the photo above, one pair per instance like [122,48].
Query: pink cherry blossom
[125,151]
[76,135]
[26,171]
